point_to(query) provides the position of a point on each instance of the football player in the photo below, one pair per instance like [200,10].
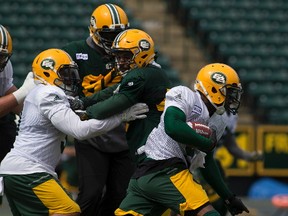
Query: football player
[93,56]
[143,81]
[163,180]
[228,140]
[28,170]
[11,98]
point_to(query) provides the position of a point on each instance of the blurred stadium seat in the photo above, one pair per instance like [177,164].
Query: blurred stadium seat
[37,25]
[251,36]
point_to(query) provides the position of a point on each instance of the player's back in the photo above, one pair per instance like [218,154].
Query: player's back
[152,84]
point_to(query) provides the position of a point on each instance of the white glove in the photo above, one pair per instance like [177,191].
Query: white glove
[135,112]
[26,87]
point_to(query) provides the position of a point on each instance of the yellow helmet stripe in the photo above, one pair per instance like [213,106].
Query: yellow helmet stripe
[4,38]
[114,13]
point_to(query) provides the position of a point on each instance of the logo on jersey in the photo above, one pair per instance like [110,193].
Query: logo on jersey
[83,56]
[109,66]
[219,78]
[48,64]
[197,109]
[130,83]
[57,98]
[144,45]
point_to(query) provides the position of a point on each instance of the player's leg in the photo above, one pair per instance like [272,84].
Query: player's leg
[137,203]
[38,194]
[120,170]
[93,167]
[196,200]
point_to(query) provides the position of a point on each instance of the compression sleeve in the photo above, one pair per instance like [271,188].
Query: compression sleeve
[113,105]
[99,96]
[177,128]
[212,175]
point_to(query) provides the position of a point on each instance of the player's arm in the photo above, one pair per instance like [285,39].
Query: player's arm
[177,128]
[212,175]
[13,100]
[99,96]
[8,103]
[231,145]
[65,120]
[113,105]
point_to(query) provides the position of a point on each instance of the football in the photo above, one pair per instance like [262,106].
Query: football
[201,129]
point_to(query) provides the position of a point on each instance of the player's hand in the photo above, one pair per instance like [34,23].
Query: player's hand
[82,114]
[235,206]
[75,103]
[256,156]
[26,87]
[135,112]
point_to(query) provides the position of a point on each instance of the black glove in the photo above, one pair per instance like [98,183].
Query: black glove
[75,103]
[235,206]
[82,114]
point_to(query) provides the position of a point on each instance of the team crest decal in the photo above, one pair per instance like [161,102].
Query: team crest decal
[48,64]
[219,78]
[144,45]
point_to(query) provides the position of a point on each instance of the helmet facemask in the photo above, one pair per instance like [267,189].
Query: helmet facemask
[124,61]
[5,47]
[105,37]
[232,97]
[68,79]
[4,58]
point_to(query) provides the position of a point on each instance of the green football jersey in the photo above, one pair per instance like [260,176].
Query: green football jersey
[91,61]
[141,85]
[95,72]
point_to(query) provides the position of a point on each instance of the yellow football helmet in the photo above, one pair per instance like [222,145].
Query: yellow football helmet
[106,22]
[56,67]
[5,47]
[133,48]
[220,84]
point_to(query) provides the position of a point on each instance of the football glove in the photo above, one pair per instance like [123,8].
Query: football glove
[135,112]
[82,114]
[27,86]
[75,103]
[255,156]
[235,206]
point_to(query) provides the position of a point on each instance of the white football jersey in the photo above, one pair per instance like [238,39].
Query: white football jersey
[159,145]
[46,119]
[6,79]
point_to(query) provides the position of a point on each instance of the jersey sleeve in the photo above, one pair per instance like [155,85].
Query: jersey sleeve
[181,98]
[126,95]
[54,105]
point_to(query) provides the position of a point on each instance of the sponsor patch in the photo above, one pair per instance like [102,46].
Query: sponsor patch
[83,56]
[197,109]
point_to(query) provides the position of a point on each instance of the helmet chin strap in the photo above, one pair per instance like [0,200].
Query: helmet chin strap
[220,110]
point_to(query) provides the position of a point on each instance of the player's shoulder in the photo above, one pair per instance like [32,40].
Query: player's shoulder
[47,91]
[74,46]
[181,89]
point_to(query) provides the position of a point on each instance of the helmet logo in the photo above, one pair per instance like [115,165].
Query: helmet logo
[48,64]
[218,78]
[144,45]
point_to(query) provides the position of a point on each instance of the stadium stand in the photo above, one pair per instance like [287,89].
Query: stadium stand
[37,25]
[251,36]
